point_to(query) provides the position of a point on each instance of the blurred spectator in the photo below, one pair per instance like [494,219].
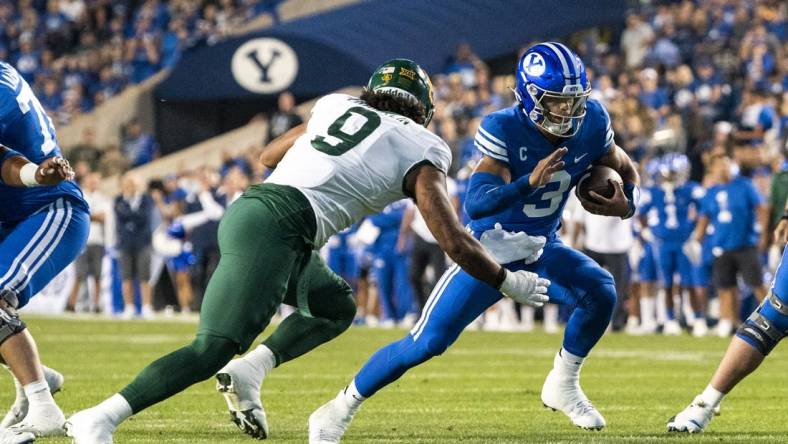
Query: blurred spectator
[607,240]
[427,260]
[89,262]
[464,63]
[205,244]
[635,40]
[138,147]
[133,224]
[87,150]
[284,118]
[74,41]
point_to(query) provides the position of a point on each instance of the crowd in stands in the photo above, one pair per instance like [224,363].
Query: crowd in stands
[76,54]
[698,78]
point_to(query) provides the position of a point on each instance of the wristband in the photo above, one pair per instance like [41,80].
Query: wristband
[500,278]
[28,175]
[785,215]
[632,192]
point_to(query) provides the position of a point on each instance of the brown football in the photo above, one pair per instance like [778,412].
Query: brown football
[597,178]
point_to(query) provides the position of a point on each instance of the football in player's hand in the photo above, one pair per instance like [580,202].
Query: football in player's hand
[597,179]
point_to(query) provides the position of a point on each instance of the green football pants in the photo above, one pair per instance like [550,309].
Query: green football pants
[267,259]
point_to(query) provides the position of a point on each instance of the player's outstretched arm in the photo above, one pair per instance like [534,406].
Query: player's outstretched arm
[17,171]
[427,185]
[491,189]
[623,203]
[276,150]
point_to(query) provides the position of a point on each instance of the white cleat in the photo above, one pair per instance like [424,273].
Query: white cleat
[672,328]
[564,394]
[648,328]
[89,427]
[724,328]
[239,383]
[129,313]
[328,424]
[700,328]
[146,313]
[693,419]
[46,420]
[18,410]
[10,437]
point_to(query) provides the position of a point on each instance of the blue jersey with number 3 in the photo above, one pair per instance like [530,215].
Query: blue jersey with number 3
[509,136]
[25,128]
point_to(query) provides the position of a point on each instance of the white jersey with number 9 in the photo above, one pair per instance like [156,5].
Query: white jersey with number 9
[352,161]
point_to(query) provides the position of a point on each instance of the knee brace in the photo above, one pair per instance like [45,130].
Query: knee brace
[10,324]
[766,326]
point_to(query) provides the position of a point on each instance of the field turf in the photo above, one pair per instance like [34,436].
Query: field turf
[485,389]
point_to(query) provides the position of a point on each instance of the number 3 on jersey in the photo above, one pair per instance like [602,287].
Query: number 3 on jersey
[554,197]
[347,131]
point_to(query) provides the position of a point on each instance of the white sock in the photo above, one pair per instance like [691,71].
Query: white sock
[712,396]
[350,398]
[567,362]
[262,358]
[38,393]
[116,409]
[20,391]
[648,311]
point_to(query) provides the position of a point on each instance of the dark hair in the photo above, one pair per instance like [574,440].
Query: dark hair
[392,103]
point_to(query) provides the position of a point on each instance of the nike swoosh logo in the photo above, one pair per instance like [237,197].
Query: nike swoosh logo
[577,158]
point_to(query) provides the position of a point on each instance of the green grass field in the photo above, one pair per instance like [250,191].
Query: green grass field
[485,389]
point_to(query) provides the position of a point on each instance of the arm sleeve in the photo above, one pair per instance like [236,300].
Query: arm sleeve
[489,141]
[487,194]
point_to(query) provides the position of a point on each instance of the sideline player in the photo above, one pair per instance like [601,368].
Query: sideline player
[534,153]
[42,230]
[353,158]
[754,339]
[669,213]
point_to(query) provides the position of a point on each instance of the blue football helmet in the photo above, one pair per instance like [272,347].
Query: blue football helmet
[676,167]
[552,87]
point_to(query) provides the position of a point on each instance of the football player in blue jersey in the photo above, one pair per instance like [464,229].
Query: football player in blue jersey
[668,210]
[736,212]
[534,153]
[43,226]
[756,337]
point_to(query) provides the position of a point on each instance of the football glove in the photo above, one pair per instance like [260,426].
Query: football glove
[525,287]
[693,250]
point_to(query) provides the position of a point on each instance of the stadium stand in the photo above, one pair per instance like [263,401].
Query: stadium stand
[677,77]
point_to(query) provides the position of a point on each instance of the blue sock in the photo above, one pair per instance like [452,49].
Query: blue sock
[670,314]
[700,315]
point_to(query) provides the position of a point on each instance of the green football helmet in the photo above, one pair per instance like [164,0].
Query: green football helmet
[405,78]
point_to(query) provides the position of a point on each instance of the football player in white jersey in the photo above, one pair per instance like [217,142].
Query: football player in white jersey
[355,156]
